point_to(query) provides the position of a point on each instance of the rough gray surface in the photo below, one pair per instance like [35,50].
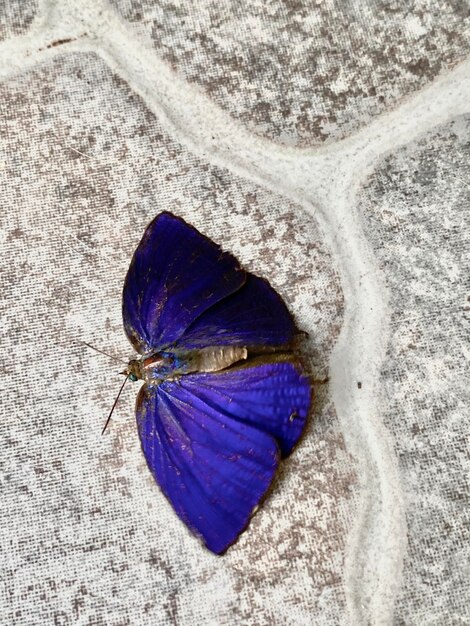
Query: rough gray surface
[301,71]
[16,16]
[97,134]
[416,208]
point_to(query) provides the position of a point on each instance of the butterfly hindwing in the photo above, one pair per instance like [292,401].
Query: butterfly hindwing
[213,441]
[272,396]
[254,315]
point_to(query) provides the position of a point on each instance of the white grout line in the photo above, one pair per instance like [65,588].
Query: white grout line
[326,182]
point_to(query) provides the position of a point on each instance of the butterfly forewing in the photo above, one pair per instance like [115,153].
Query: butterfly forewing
[175,275]
[213,468]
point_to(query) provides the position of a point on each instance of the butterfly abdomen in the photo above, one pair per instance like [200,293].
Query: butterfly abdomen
[214,359]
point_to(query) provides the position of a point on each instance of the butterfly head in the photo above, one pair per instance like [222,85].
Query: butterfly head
[150,368]
[134,370]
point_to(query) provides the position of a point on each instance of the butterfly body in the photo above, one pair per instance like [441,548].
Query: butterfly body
[155,368]
[224,397]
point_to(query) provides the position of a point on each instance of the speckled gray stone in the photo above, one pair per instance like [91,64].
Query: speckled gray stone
[111,112]
[416,211]
[304,71]
[16,16]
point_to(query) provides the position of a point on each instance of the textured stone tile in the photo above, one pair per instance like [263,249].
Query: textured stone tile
[416,210]
[16,16]
[89,538]
[301,71]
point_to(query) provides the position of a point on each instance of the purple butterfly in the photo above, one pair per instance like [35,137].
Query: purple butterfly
[224,397]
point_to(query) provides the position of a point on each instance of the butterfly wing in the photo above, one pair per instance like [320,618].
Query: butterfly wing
[213,470]
[272,396]
[182,289]
[253,316]
[212,455]
[175,275]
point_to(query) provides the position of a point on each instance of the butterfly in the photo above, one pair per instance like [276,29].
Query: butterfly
[224,398]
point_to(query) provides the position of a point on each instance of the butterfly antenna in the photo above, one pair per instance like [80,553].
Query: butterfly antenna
[114,405]
[115,358]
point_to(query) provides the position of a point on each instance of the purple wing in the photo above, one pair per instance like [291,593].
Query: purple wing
[175,275]
[182,289]
[273,397]
[213,470]
[210,441]
[255,315]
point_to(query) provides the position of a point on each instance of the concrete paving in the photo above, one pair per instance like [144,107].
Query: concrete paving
[327,146]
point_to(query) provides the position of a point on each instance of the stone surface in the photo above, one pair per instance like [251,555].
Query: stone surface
[16,17]
[86,168]
[366,239]
[301,71]
[416,210]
